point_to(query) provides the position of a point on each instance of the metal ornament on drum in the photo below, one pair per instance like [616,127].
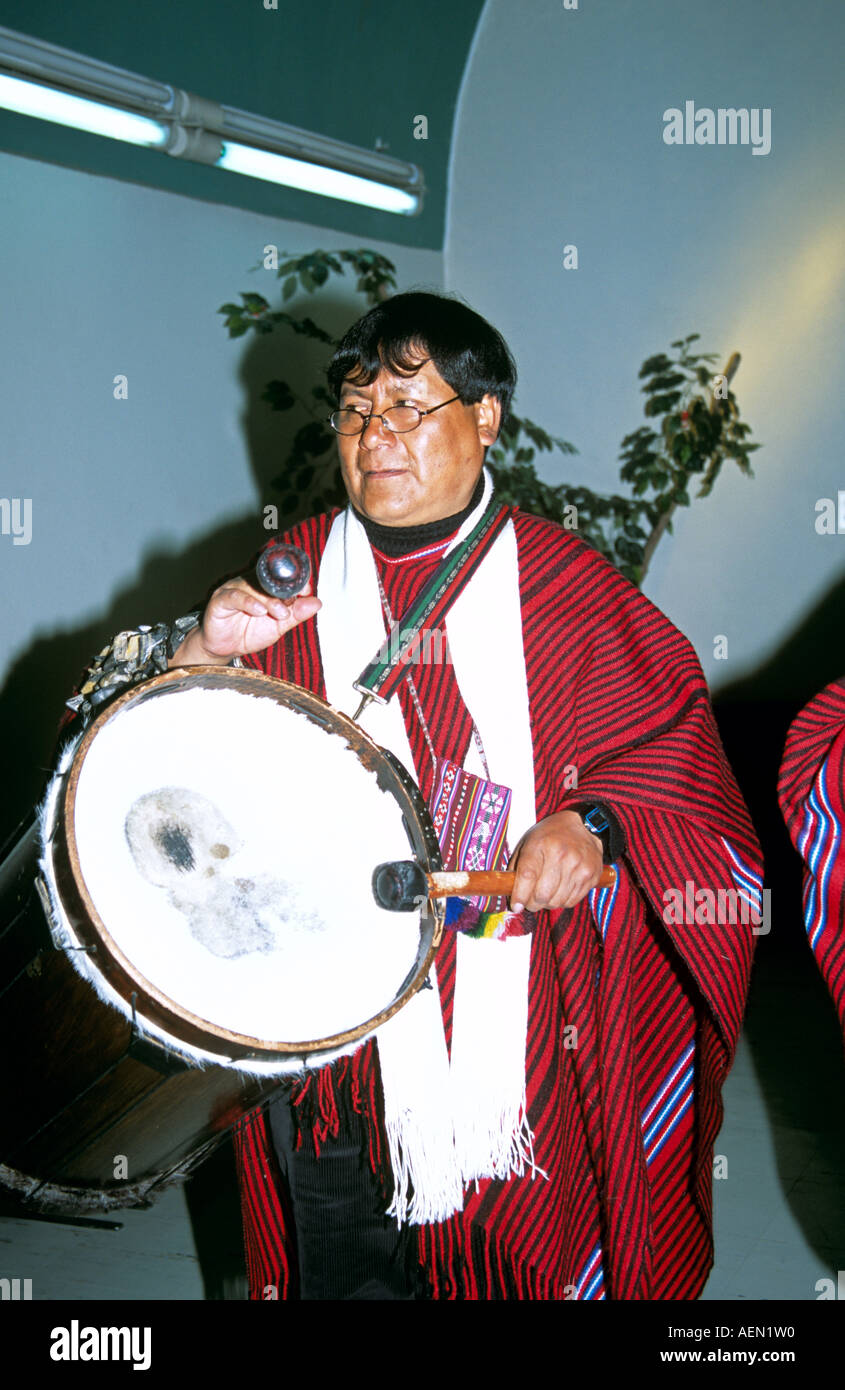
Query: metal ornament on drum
[204,863]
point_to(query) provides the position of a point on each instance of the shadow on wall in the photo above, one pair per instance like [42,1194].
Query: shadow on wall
[791,1025]
[167,583]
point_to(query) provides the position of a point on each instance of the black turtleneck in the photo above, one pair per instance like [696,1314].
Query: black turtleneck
[404,540]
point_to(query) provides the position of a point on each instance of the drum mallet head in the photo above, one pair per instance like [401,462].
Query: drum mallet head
[283,570]
[401,886]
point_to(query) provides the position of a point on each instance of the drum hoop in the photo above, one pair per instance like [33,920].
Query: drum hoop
[115,966]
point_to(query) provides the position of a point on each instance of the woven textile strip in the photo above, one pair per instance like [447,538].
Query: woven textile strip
[470,818]
[811,791]
[617,692]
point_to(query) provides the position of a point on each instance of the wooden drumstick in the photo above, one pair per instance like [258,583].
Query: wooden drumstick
[401,886]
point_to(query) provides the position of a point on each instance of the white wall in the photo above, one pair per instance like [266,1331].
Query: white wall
[99,278]
[559,140]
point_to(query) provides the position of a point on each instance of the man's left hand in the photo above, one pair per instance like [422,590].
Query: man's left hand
[558,862]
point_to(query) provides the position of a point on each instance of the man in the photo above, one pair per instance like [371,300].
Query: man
[597,1045]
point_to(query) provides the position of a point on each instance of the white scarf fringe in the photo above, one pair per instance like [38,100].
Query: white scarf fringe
[415,1077]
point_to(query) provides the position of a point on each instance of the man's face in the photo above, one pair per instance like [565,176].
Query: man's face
[427,473]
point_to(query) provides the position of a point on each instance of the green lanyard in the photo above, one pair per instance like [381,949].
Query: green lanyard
[385,673]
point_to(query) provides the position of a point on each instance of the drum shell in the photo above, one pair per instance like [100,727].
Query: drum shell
[82,1087]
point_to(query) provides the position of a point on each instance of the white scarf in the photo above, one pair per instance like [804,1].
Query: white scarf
[449,1124]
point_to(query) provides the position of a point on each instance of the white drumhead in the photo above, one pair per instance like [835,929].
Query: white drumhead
[227,844]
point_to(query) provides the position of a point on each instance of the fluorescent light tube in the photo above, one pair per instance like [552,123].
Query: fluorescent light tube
[313,178]
[62,108]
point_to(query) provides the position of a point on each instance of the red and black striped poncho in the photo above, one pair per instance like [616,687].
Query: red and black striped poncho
[624,1122]
[811,792]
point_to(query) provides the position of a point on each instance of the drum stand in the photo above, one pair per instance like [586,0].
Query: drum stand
[17,1213]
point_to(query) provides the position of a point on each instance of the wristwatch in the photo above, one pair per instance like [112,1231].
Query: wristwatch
[601,823]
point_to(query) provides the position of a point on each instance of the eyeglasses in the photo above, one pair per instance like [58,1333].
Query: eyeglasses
[399,419]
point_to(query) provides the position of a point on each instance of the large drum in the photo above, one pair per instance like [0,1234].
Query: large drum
[190,920]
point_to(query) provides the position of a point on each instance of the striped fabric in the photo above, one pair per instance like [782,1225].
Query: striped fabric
[811,790]
[632,1021]
[670,1111]
[665,1121]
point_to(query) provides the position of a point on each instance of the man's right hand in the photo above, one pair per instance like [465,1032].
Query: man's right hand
[238,620]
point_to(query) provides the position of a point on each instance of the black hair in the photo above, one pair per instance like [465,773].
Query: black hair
[468,352]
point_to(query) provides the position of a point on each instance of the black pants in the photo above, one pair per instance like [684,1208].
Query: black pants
[346,1247]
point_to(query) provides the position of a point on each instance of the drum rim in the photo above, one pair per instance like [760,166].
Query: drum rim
[116,967]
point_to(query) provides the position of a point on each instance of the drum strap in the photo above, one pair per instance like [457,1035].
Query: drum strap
[385,672]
